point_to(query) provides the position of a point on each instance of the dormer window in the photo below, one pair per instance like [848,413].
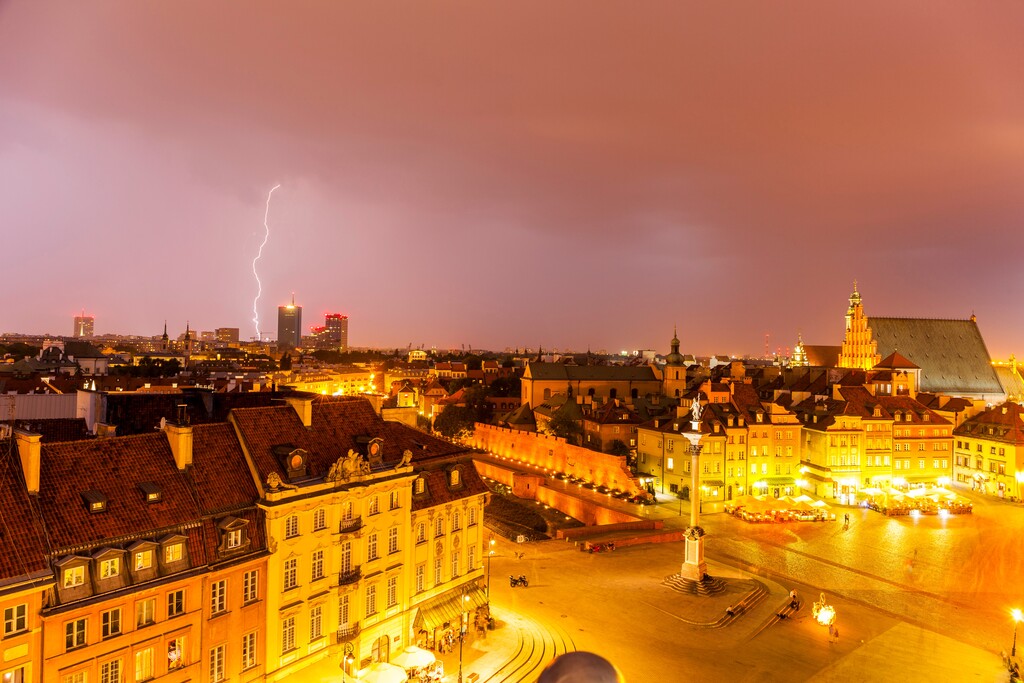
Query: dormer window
[420,485]
[143,560]
[151,491]
[110,568]
[95,501]
[74,576]
[173,552]
[454,477]
[234,538]
[760,417]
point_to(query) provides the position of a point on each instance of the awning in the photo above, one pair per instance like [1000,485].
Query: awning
[713,483]
[779,481]
[819,477]
[447,608]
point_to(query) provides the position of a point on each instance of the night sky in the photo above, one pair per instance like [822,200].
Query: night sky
[498,174]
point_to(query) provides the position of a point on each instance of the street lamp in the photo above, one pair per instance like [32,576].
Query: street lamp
[490,554]
[1018,616]
[823,613]
[462,628]
[346,660]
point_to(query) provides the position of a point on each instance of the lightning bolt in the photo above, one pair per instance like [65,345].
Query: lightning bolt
[259,285]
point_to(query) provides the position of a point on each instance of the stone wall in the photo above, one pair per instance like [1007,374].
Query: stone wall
[549,454]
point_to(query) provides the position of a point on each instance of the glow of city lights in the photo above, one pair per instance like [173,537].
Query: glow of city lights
[1017,615]
[259,285]
[823,613]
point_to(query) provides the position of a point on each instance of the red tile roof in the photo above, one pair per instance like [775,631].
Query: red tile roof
[438,492]
[220,474]
[336,424]
[22,552]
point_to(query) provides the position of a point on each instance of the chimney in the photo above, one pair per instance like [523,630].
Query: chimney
[29,450]
[180,438]
[104,430]
[303,405]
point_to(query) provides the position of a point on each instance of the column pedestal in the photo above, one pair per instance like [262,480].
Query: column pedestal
[694,568]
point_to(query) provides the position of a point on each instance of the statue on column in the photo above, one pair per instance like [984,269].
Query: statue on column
[695,409]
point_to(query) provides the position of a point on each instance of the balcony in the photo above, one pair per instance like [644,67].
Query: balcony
[350,577]
[350,526]
[346,633]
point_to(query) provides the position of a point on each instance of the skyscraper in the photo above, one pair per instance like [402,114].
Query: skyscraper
[337,330]
[84,325]
[289,325]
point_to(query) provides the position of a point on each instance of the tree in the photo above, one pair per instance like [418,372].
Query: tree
[564,426]
[455,422]
[617,447]
[286,361]
[506,386]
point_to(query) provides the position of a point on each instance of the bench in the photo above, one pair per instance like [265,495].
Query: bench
[473,678]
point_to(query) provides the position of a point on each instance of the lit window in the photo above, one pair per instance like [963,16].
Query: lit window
[145,612]
[374,507]
[218,596]
[144,664]
[394,500]
[143,559]
[110,569]
[74,576]
[234,538]
[173,553]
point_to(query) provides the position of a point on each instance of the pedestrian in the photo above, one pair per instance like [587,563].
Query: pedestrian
[793,599]
[846,521]
[833,635]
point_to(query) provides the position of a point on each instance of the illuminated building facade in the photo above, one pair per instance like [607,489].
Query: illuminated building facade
[336,325]
[289,325]
[375,529]
[157,549]
[989,455]
[84,326]
[227,335]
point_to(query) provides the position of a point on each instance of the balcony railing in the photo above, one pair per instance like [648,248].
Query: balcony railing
[345,578]
[346,633]
[349,526]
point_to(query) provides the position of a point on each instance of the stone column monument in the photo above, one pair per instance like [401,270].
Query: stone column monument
[695,568]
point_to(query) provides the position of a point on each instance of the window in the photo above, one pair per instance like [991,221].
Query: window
[173,553]
[176,650]
[347,512]
[393,540]
[371,600]
[111,568]
[318,565]
[472,558]
[217,664]
[456,521]
[437,570]
[670,463]
[77,677]
[249,650]
[287,634]
[371,547]
[291,527]
[175,603]
[110,622]
[74,576]
[392,591]
[110,672]
[143,559]
[316,622]
[472,516]
[319,519]
[218,596]
[454,479]
[421,532]
[455,563]
[421,571]
[438,527]
[74,634]
[394,500]
[144,664]
[346,557]
[374,506]
[145,612]
[250,587]
[291,573]
[15,619]
[234,538]
[343,615]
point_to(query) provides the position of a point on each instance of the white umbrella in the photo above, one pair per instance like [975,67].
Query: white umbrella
[414,657]
[382,672]
[821,504]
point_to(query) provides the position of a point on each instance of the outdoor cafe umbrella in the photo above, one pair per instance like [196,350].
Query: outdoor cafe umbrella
[414,657]
[382,672]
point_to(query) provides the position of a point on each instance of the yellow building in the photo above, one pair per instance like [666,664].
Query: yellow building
[989,453]
[368,522]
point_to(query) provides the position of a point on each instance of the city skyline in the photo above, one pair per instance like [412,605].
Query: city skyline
[727,170]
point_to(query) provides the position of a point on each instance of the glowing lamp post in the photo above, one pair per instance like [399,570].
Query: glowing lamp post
[823,613]
[346,660]
[490,554]
[1018,617]
[462,628]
